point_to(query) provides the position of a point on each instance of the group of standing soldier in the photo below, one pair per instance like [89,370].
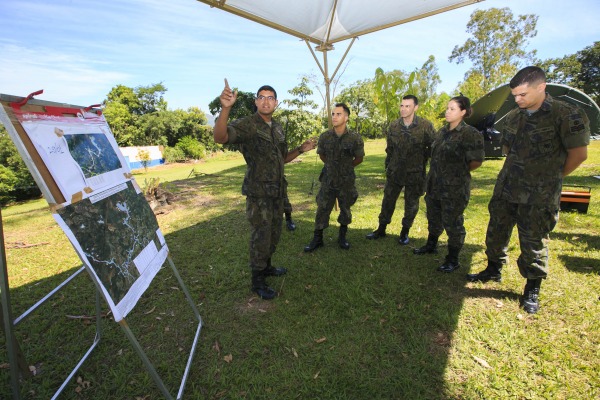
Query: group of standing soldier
[545,139]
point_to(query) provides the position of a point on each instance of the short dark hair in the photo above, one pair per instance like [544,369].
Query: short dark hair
[528,75]
[267,88]
[464,104]
[344,106]
[411,97]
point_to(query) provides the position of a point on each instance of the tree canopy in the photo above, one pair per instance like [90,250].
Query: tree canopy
[497,45]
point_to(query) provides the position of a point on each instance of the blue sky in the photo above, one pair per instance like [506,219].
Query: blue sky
[78,50]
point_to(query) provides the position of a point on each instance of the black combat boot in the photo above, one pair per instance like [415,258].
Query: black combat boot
[378,233]
[491,273]
[429,248]
[530,301]
[451,264]
[274,271]
[259,286]
[289,223]
[403,239]
[316,242]
[342,238]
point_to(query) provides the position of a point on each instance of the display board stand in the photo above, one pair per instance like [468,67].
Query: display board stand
[55,196]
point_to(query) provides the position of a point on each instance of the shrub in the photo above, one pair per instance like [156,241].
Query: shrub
[192,148]
[173,154]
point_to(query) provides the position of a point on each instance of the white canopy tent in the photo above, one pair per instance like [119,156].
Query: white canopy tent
[325,22]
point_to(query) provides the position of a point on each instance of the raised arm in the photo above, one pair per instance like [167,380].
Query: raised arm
[228,98]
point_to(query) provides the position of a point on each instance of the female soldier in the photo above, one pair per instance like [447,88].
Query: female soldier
[456,151]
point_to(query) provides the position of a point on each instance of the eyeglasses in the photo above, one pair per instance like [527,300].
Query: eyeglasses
[263,98]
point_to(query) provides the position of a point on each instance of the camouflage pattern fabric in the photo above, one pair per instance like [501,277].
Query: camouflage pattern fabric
[338,176]
[266,218]
[391,192]
[534,221]
[264,149]
[527,192]
[407,151]
[532,171]
[287,206]
[449,180]
[447,215]
[449,177]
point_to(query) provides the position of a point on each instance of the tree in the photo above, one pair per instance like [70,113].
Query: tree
[243,106]
[580,70]
[366,118]
[299,122]
[16,183]
[497,46]
[589,75]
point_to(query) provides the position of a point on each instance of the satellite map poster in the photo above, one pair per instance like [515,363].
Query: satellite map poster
[79,151]
[117,237]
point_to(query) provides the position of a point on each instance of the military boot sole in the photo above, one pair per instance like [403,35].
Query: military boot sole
[484,278]
[420,252]
[376,235]
[403,241]
[312,247]
[275,271]
[265,293]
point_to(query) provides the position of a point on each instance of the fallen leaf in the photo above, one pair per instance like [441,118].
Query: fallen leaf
[261,310]
[316,375]
[482,362]
[519,316]
[499,304]
[295,352]
[321,340]
[216,347]
[228,358]
[150,311]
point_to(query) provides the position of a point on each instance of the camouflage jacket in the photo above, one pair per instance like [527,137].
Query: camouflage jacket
[538,144]
[339,154]
[449,174]
[264,149]
[408,149]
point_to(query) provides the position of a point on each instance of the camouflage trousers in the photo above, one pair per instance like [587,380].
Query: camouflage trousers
[266,218]
[447,214]
[326,200]
[534,223]
[287,206]
[391,192]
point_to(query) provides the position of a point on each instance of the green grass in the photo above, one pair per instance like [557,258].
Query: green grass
[374,322]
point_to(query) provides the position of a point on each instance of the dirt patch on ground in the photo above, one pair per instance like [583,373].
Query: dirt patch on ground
[163,198]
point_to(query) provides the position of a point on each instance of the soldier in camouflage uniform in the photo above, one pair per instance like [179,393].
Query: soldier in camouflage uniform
[544,140]
[262,143]
[341,151]
[456,151]
[287,208]
[408,148]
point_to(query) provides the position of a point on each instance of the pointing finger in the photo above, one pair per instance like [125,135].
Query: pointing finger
[226,83]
